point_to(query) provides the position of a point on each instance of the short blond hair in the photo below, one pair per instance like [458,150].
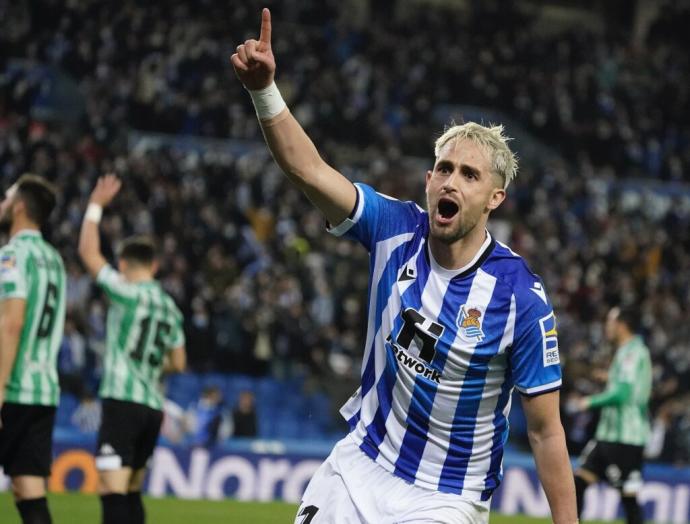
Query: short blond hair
[503,161]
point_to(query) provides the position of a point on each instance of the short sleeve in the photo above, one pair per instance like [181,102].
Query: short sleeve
[534,358]
[377,217]
[12,278]
[115,286]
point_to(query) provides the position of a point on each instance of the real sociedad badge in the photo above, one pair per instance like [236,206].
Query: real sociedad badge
[470,323]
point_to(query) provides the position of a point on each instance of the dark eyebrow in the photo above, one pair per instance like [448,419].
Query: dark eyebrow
[464,168]
[471,170]
[445,163]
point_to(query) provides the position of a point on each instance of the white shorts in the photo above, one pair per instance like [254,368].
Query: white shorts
[350,488]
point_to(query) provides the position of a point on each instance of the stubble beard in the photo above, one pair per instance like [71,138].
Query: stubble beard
[450,235]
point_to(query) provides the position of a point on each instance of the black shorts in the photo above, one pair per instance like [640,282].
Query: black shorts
[618,464]
[26,439]
[128,435]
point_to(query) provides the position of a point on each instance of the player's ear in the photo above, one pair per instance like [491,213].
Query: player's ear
[498,195]
[428,176]
[18,206]
[155,266]
[122,265]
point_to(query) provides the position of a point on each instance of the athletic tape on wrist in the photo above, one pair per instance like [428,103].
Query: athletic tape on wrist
[94,212]
[268,102]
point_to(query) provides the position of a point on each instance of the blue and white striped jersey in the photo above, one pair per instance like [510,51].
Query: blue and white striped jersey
[444,350]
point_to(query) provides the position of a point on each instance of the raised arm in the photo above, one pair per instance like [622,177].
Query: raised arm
[547,439]
[89,240]
[292,149]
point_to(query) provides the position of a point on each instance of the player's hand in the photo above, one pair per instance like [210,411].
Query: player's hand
[106,189]
[253,62]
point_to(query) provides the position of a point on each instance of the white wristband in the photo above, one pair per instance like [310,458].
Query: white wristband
[94,212]
[268,102]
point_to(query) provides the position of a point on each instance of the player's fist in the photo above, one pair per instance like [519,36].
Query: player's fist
[105,190]
[253,62]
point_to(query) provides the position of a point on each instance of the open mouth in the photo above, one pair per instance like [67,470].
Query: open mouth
[447,209]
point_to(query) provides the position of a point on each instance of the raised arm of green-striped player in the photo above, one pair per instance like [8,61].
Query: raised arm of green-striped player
[89,239]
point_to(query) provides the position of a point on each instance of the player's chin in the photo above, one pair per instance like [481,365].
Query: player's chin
[446,233]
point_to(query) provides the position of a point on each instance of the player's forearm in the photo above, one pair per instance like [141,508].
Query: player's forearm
[175,361]
[614,396]
[555,472]
[299,159]
[90,247]
[292,149]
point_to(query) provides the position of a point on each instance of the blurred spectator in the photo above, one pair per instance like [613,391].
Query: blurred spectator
[72,360]
[244,416]
[174,422]
[205,417]
[87,417]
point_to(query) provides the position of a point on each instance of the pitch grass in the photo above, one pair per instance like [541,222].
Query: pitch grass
[77,508]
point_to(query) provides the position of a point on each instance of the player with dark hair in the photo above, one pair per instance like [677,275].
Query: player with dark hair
[32,319]
[456,320]
[144,337]
[615,454]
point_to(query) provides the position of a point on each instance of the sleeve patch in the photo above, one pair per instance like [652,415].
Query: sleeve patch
[549,337]
[7,262]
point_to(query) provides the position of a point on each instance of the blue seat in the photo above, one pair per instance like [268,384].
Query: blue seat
[283,409]
[242,382]
[66,408]
[183,388]
[214,380]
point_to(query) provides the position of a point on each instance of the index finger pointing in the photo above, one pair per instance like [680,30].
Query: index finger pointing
[265,36]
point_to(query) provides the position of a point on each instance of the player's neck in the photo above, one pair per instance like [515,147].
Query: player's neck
[137,276]
[22,224]
[459,253]
[625,338]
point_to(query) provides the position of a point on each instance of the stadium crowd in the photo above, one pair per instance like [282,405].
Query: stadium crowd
[263,288]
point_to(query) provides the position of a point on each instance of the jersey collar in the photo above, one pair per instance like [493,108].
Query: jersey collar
[147,283]
[27,233]
[482,254]
[632,342]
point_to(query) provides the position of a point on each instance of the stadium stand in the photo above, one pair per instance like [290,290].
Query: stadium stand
[265,292]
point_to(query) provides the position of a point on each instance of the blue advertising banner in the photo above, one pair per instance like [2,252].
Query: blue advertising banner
[258,470]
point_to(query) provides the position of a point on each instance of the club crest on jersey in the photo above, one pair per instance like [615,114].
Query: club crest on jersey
[470,323]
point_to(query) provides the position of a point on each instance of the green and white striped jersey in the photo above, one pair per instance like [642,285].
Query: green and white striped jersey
[144,324]
[624,415]
[30,268]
